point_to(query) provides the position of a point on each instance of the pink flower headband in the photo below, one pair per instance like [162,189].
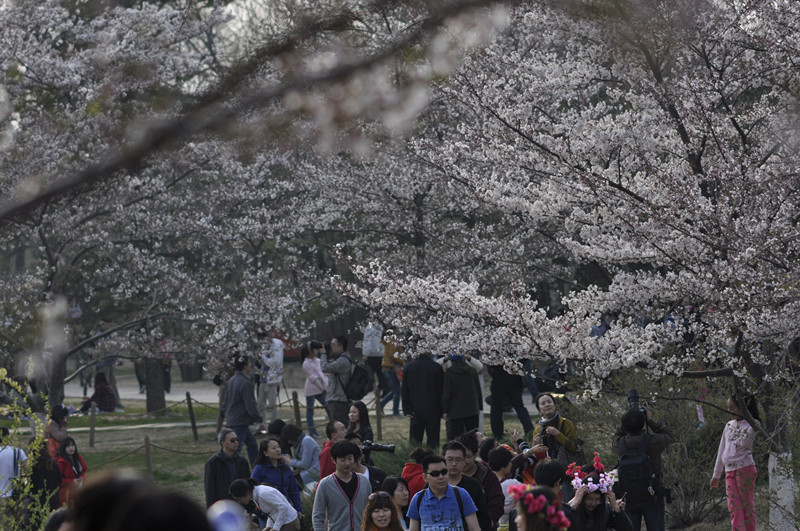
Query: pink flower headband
[538,505]
[605,482]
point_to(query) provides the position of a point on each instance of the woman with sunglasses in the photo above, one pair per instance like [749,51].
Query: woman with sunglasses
[381,514]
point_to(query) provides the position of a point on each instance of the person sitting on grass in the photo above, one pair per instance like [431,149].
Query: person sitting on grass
[103,396]
[270,469]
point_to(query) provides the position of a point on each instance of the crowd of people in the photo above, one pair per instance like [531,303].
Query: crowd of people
[538,479]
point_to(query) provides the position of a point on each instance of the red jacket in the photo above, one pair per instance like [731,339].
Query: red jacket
[326,464]
[412,472]
[68,477]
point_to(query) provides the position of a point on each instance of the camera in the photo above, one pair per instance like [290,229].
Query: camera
[634,402]
[370,446]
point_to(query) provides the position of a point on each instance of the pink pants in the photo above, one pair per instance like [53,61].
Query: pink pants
[740,486]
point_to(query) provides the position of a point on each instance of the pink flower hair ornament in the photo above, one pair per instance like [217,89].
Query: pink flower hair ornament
[605,481]
[539,507]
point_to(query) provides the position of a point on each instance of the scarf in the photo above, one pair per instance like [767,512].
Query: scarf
[550,442]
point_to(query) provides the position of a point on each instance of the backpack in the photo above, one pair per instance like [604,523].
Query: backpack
[458,500]
[636,478]
[360,382]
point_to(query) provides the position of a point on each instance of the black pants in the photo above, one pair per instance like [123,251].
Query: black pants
[420,426]
[338,410]
[374,363]
[512,390]
[456,427]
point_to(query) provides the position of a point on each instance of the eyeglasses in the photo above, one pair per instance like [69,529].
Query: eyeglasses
[469,456]
[437,473]
[455,459]
[379,494]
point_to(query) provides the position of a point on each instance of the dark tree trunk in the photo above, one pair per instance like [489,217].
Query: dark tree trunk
[57,377]
[154,375]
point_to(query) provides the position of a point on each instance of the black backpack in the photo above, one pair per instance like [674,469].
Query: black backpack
[637,482]
[458,500]
[360,382]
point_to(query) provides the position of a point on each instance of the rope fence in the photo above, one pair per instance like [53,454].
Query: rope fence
[187,401]
[148,451]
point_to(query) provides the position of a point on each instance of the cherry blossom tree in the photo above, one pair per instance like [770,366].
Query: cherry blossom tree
[143,232]
[660,141]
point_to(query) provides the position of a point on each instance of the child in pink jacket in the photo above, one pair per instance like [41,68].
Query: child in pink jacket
[735,455]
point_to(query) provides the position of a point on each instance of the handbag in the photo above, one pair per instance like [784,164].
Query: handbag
[567,457]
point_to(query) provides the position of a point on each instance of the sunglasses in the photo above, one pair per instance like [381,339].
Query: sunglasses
[233,440]
[379,494]
[437,473]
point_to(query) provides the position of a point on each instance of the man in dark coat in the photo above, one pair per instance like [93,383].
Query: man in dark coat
[423,382]
[224,467]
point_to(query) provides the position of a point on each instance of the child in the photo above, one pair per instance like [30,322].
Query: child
[736,455]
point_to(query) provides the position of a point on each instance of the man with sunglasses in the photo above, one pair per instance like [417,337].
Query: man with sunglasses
[224,467]
[440,506]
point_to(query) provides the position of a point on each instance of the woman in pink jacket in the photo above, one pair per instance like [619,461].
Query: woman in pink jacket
[735,455]
[316,382]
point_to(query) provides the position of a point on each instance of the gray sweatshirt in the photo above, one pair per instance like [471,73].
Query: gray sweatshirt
[331,502]
[339,370]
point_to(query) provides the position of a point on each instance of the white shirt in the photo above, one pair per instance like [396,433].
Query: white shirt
[7,468]
[272,360]
[275,504]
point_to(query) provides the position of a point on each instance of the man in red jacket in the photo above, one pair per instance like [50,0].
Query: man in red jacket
[335,431]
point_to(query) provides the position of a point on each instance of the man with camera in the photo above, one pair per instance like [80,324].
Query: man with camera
[374,475]
[639,466]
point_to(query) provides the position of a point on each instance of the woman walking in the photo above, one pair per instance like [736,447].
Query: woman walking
[381,514]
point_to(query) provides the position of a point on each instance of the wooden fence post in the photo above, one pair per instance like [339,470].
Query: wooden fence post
[91,426]
[191,415]
[148,456]
[378,414]
[296,404]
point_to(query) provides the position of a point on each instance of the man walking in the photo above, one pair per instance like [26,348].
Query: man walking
[342,496]
[423,382]
[338,368]
[240,406]
[440,505]
[454,454]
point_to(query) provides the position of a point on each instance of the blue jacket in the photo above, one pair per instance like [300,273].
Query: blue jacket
[281,478]
[307,451]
